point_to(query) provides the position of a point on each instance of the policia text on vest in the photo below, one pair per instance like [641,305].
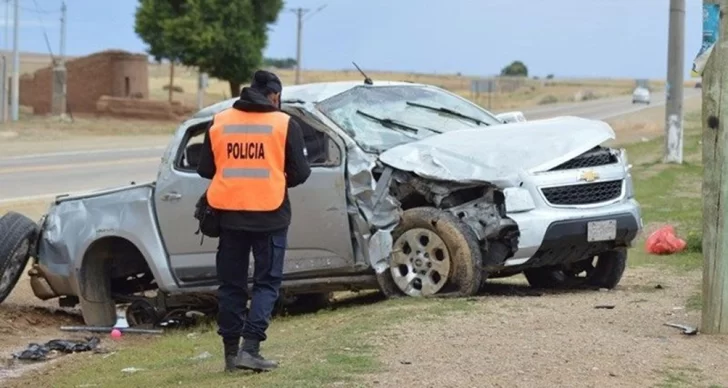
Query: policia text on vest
[249,149]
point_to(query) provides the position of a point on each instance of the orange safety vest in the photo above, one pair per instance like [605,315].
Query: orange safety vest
[249,150]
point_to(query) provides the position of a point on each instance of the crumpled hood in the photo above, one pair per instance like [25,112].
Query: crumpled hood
[499,154]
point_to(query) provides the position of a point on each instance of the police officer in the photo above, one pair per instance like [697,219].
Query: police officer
[252,152]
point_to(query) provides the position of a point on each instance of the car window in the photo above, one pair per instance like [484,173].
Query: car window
[188,154]
[358,111]
[320,150]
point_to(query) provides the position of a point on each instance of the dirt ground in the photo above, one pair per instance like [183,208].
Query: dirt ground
[560,340]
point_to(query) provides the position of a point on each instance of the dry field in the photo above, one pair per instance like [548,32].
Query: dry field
[511,93]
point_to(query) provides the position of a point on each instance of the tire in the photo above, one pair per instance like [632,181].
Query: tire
[97,305]
[17,236]
[606,274]
[457,246]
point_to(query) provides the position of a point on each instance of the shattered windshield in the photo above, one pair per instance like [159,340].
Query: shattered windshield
[382,117]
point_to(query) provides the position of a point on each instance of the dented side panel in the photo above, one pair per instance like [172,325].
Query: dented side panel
[74,224]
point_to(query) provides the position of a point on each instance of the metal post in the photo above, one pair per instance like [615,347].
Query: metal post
[300,12]
[61,74]
[3,88]
[62,48]
[16,63]
[674,105]
[7,25]
[299,29]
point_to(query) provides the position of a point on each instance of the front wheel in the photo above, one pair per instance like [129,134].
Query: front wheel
[433,253]
[603,271]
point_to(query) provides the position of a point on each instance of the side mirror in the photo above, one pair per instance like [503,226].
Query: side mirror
[511,117]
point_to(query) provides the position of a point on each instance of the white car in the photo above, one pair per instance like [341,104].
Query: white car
[641,94]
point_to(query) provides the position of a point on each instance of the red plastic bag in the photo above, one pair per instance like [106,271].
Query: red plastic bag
[663,241]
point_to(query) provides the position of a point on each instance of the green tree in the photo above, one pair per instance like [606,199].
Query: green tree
[149,26]
[516,68]
[223,38]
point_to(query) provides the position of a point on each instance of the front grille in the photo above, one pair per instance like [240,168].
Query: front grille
[598,156]
[584,194]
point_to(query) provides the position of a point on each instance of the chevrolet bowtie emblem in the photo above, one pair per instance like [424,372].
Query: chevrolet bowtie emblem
[589,176]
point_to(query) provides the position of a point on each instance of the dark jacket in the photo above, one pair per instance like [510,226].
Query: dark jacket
[296,168]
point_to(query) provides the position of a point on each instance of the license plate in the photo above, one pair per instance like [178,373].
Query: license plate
[601,230]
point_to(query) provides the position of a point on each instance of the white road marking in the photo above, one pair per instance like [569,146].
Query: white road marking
[82,152]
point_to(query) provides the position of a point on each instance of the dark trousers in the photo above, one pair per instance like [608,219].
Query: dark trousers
[233,258]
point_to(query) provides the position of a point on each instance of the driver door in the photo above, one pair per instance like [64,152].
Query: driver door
[318,239]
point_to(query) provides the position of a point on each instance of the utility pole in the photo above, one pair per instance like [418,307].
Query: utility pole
[60,84]
[675,70]
[300,13]
[7,25]
[715,183]
[299,29]
[4,69]
[62,47]
[16,62]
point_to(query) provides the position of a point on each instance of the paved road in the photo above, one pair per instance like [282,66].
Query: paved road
[44,175]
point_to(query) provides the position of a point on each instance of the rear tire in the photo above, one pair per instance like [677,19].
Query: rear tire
[428,241]
[97,305]
[17,237]
[605,274]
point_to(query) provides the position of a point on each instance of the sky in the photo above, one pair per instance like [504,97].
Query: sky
[568,38]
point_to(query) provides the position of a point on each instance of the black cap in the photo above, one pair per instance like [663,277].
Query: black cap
[266,82]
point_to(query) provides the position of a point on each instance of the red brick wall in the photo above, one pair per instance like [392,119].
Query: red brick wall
[89,78]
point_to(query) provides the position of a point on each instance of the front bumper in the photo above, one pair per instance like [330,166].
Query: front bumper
[557,236]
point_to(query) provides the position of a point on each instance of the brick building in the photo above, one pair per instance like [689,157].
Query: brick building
[107,73]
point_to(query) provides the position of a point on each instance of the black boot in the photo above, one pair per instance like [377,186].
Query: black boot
[230,347]
[249,357]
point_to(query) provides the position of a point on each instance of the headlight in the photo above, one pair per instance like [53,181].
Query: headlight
[518,200]
[629,186]
[625,160]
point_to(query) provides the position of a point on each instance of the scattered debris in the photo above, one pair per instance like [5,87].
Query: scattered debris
[687,330]
[131,370]
[38,352]
[202,356]
[405,362]
[604,306]
[664,241]
[102,329]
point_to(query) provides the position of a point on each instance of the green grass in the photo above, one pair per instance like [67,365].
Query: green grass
[670,194]
[331,346]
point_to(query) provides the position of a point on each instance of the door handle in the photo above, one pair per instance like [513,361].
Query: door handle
[171,196]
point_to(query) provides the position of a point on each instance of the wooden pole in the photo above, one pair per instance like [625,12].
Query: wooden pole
[171,80]
[715,183]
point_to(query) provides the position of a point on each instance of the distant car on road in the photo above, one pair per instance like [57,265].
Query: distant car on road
[641,95]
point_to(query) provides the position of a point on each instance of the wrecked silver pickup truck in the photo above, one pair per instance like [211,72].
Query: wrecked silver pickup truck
[413,191]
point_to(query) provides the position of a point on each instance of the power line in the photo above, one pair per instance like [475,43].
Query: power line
[45,33]
[37,10]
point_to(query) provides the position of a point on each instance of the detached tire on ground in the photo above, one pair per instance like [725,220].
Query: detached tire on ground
[17,234]
[606,273]
[433,253]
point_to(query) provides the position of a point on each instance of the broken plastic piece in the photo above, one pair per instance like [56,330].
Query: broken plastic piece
[687,330]
[37,352]
[664,241]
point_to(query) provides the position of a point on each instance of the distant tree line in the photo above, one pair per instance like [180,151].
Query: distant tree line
[280,63]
